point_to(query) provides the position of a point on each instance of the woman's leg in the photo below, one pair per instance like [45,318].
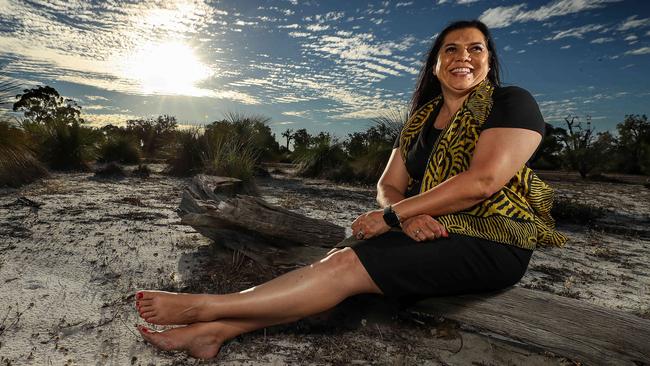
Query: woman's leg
[296,294]
[203,340]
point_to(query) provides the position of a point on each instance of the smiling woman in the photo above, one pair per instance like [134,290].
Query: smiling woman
[169,68]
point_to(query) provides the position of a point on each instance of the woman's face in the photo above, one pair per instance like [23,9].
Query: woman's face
[463,60]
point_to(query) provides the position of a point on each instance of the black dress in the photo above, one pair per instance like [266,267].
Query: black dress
[458,264]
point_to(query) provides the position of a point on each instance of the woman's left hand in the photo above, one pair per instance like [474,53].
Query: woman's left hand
[369,225]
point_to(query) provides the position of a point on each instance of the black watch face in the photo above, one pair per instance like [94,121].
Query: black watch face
[391,218]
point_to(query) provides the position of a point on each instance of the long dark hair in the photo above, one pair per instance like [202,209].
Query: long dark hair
[428,86]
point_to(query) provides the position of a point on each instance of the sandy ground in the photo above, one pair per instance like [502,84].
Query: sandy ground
[72,255]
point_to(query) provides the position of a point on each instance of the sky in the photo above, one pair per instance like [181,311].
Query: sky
[321,65]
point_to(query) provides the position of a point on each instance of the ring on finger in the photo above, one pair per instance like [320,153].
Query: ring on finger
[417,231]
[360,234]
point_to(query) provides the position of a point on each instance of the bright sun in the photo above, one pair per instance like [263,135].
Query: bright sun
[169,68]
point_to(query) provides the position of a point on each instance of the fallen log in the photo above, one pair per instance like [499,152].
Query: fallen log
[266,233]
[572,328]
[276,236]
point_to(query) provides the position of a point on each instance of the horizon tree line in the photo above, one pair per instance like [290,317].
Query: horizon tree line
[53,131]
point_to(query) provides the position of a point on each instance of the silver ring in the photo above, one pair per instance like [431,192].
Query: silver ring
[417,231]
[360,234]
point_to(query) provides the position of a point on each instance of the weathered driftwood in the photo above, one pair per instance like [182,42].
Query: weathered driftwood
[567,327]
[267,233]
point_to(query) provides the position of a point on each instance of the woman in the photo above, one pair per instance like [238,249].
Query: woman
[469,210]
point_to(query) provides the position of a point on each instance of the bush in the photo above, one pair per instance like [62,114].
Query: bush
[18,165]
[120,149]
[570,211]
[188,156]
[217,152]
[370,166]
[63,146]
[322,161]
[231,158]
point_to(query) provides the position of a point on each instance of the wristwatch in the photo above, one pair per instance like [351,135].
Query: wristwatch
[390,217]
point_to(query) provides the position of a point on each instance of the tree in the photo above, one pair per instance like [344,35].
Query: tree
[153,133]
[579,149]
[301,140]
[634,144]
[288,134]
[550,149]
[44,105]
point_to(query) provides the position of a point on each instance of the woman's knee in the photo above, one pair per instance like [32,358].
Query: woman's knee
[345,266]
[344,259]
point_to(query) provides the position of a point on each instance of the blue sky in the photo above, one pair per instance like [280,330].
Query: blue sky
[320,65]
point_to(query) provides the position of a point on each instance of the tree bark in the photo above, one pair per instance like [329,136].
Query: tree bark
[568,327]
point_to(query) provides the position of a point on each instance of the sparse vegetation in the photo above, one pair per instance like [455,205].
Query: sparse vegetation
[18,164]
[121,149]
[571,211]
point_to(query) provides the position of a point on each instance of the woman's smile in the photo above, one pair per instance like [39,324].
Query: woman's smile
[463,61]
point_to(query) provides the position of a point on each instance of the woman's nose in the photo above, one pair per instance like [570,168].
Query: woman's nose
[463,54]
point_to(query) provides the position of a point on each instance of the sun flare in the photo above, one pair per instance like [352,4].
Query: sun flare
[170,68]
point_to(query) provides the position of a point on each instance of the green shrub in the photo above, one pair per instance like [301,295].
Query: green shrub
[322,161]
[63,146]
[121,149]
[370,166]
[231,158]
[18,165]
[187,158]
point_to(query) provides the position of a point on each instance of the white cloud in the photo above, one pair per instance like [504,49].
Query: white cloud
[565,47]
[289,26]
[577,32]
[299,34]
[639,51]
[602,40]
[504,16]
[95,97]
[406,3]
[632,22]
[301,114]
[507,48]
[317,27]
[631,37]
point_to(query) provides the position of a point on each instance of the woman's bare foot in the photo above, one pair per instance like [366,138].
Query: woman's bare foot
[167,308]
[200,340]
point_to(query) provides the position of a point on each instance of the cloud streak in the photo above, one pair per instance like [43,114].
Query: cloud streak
[504,16]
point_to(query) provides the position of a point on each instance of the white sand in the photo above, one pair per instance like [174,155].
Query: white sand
[68,271]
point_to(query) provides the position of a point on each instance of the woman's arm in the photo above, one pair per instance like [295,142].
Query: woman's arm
[499,154]
[392,184]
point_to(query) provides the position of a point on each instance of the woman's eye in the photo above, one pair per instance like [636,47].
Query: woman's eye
[450,49]
[477,49]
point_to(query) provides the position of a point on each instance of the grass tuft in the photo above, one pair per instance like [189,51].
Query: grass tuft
[18,165]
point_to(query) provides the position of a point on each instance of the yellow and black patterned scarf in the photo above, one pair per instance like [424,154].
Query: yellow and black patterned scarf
[518,214]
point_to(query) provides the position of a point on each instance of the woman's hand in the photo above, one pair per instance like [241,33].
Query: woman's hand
[423,227]
[369,225]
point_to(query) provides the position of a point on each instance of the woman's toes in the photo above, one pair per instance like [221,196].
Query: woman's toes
[146,302]
[146,308]
[158,339]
